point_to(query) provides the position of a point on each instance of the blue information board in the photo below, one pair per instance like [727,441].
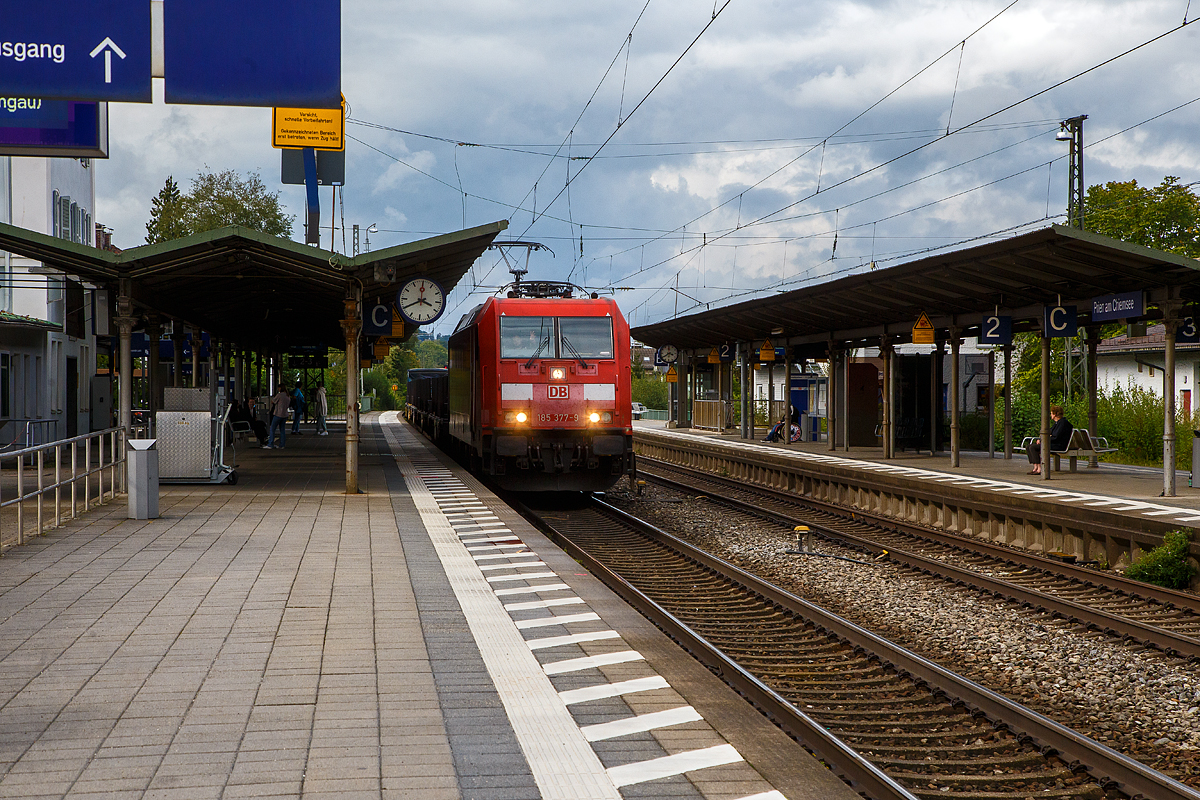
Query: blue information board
[995,330]
[31,126]
[377,318]
[76,50]
[1061,322]
[263,53]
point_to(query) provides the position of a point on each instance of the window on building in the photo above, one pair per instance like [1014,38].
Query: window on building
[73,313]
[5,385]
[64,217]
[56,212]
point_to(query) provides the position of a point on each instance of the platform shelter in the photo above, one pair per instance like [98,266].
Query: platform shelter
[258,296]
[1058,281]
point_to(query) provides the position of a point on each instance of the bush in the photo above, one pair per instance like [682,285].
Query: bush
[650,391]
[1166,565]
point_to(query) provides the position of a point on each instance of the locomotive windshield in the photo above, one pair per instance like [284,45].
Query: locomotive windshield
[535,337]
[586,337]
[523,337]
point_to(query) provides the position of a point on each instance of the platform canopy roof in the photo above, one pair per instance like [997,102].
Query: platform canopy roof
[254,289]
[1017,277]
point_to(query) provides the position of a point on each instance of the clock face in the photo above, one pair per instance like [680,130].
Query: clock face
[421,301]
[668,353]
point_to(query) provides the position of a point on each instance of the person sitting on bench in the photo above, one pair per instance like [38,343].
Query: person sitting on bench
[1060,439]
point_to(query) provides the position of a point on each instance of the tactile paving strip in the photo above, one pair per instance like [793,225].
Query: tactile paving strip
[505,589]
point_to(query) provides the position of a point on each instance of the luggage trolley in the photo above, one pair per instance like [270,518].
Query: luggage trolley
[191,441]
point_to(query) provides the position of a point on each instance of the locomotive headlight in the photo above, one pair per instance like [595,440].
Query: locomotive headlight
[515,416]
[558,374]
[594,416]
[522,416]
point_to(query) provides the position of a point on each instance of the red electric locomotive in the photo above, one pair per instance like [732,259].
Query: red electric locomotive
[539,389]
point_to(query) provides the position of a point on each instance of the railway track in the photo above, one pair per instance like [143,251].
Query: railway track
[891,723]
[1160,618]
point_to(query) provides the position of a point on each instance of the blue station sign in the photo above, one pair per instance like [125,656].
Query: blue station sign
[1061,322]
[263,53]
[76,50]
[1127,305]
[31,126]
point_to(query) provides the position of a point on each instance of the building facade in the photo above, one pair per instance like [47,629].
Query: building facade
[47,321]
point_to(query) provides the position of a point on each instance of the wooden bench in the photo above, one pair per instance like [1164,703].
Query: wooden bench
[1082,445]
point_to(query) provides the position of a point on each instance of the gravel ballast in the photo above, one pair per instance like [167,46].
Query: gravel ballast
[1134,700]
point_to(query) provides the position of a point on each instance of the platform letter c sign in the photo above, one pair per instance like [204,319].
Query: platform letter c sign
[1061,322]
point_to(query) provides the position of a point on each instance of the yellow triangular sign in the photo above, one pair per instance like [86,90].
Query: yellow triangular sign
[714,357]
[671,376]
[767,351]
[923,332]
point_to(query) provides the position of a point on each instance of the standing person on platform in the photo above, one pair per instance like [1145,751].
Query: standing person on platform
[322,408]
[297,409]
[279,417]
[1060,439]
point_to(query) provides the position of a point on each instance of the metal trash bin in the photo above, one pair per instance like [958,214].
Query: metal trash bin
[142,467]
[1195,458]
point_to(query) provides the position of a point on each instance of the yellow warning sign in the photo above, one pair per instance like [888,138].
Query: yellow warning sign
[923,332]
[381,349]
[714,357]
[767,351]
[319,128]
[671,376]
[397,325]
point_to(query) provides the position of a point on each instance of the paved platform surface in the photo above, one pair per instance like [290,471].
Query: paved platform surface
[1115,487]
[282,639]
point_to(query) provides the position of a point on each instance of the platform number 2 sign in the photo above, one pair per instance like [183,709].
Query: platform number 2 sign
[995,330]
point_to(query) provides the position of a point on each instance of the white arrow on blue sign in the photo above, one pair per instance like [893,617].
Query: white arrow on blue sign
[55,53]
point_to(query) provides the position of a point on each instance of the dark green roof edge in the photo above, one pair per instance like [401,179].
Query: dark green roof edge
[84,251]
[400,250]
[1125,247]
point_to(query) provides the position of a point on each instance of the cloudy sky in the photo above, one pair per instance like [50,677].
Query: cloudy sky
[790,143]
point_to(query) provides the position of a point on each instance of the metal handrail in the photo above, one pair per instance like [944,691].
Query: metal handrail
[79,472]
[30,424]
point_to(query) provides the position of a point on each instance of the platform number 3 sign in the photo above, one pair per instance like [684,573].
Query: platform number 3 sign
[1187,332]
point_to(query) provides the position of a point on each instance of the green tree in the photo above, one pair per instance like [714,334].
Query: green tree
[432,354]
[1166,217]
[216,199]
[166,214]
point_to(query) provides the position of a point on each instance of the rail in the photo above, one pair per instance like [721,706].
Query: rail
[72,476]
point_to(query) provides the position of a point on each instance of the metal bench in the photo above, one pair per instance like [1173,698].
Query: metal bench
[1082,445]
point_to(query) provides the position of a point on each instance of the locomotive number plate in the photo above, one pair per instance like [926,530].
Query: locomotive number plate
[558,417]
[557,392]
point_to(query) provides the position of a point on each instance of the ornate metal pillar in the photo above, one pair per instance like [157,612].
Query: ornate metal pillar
[352,327]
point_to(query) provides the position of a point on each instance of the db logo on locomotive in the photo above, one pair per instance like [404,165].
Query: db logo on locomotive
[557,392]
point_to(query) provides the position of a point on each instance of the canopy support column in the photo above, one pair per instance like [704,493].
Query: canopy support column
[352,326]
[935,394]
[1008,351]
[154,380]
[197,344]
[889,443]
[125,322]
[747,388]
[955,440]
[991,411]
[1044,432]
[831,400]
[1093,341]
[1171,323]
[177,354]
[239,374]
